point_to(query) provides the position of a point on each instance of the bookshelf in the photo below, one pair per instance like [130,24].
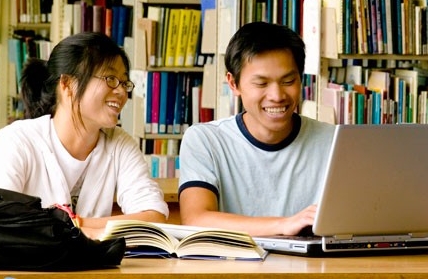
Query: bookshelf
[144,67]
[395,57]
[328,17]
[4,24]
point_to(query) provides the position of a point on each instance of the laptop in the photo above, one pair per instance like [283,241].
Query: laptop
[375,194]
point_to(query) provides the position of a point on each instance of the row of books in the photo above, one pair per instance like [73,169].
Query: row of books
[31,11]
[384,26]
[285,12]
[22,45]
[391,96]
[173,36]
[172,102]
[163,166]
[167,146]
[113,20]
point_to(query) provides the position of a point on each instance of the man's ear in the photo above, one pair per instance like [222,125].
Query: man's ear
[232,84]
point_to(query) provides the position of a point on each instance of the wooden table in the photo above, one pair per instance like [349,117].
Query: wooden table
[275,266]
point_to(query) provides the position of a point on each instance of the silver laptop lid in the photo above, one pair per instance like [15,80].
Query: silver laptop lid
[376,182]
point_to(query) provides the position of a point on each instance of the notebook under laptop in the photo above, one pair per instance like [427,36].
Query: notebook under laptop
[375,195]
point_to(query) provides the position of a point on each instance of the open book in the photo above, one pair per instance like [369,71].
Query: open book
[155,239]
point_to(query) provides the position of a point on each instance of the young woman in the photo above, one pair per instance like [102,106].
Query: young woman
[71,151]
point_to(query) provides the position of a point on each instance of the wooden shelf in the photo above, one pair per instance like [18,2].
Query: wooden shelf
[163,136]
[383,56]
[181,2]
[169,187]
[176,69]
[32,26]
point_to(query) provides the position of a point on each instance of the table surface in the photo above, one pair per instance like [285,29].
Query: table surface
[275,266]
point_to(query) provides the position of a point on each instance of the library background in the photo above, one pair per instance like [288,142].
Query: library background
[366,60]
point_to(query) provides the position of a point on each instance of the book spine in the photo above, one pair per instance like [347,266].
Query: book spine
[16,57]
[373,26]
[379,19]
[171,43]
[98,24]
[183,36]
[155,166]
[122,24]
[388,23]
[108,21]
[148,103]
[170,169]
[155,102]
[348,25]
[192,42]
[360,108]
[77,15]
[163,101]
[195,103]
[424,29]
[170,103]
[178,106]
[163,45]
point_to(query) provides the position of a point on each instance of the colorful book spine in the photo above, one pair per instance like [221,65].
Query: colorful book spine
[170,103]
[148,112]
[122,25]
[163,101]
[172,38]
[360,108]
[192,43]
[178,106]
[148,27]
[182,37]
[156,14]
[155,166]
[115,22]
[155,102]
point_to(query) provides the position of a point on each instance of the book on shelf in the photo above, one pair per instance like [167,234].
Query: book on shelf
[156,81]
[98,24]
[121,25]
[162,166]
[148,103]
[196,102]
[178,105]
[337,5]
[140,79]
[147,28]
[163,102]
[108,21]
[170,102]
[184,242]
[157,14]
[182,37]
[411,80]
[172,36]
[194,35]
[16,57]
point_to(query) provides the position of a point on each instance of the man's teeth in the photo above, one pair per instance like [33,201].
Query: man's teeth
[113,104]
[275,110]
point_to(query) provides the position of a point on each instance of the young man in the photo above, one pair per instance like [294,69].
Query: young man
[258,171]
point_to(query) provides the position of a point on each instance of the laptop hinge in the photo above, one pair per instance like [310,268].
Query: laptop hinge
[343,237]
[419,234]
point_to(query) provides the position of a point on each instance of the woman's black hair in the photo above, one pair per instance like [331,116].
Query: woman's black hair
[79,57]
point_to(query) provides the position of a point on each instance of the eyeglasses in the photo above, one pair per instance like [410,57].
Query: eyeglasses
[113,82]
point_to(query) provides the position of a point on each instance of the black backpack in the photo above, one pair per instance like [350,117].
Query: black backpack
[36,238]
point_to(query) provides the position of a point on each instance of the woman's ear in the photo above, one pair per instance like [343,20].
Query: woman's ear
[66,85]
